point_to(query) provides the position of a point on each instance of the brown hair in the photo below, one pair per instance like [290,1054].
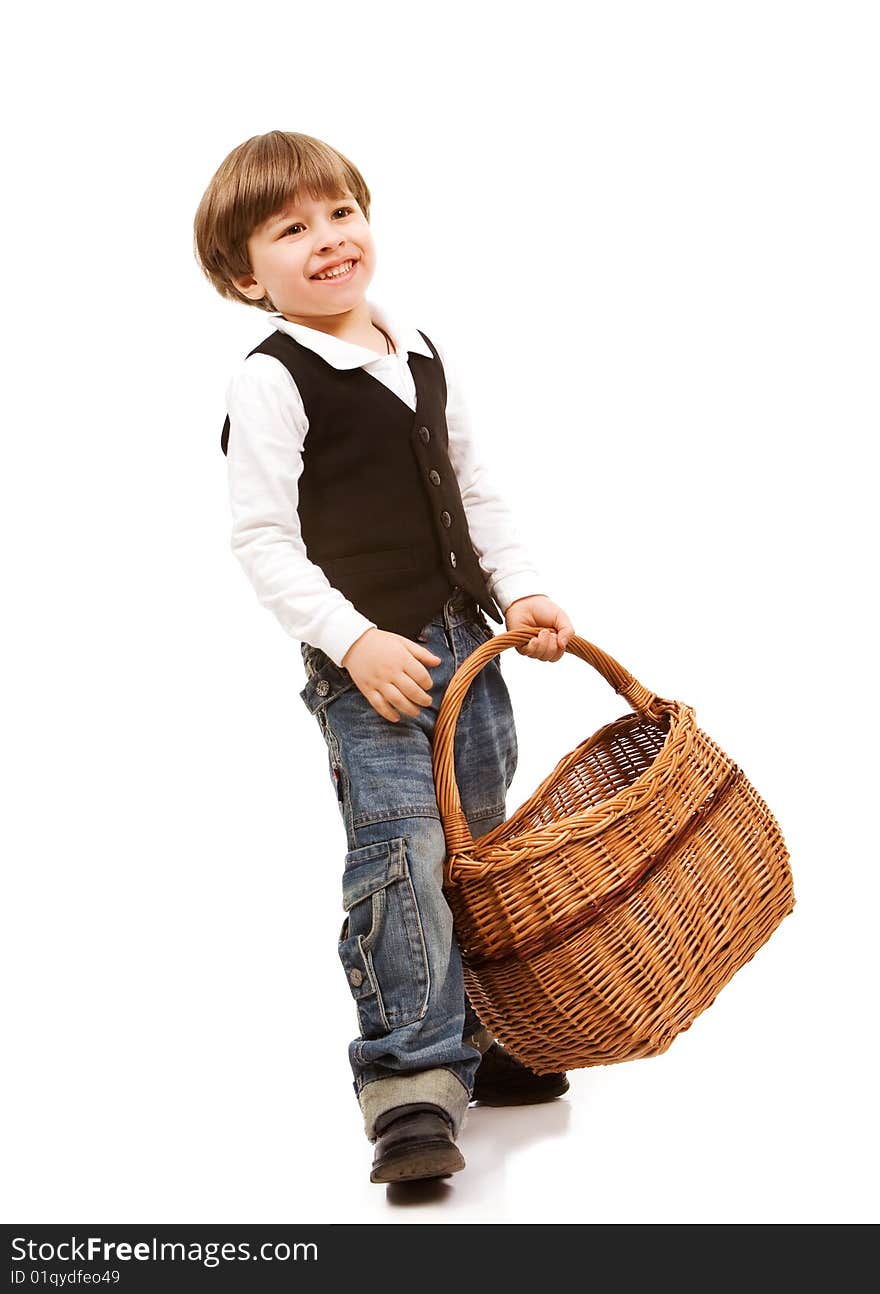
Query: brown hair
[252,184]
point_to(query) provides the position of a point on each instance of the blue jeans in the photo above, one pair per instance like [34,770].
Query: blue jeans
[397,944]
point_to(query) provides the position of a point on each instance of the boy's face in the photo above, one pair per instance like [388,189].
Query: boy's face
[306,238]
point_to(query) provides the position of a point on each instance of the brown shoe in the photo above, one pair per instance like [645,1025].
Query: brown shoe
[414,1142]
[503,1080]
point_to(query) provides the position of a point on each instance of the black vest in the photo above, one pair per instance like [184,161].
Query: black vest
[379,505]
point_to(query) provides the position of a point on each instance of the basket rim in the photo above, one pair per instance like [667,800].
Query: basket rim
[469,863]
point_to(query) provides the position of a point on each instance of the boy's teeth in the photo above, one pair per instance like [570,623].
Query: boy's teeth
[334,273]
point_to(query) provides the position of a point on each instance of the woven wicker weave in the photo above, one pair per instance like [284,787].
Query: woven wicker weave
[608,911]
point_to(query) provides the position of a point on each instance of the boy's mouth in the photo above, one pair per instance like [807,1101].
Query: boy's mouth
[337,273]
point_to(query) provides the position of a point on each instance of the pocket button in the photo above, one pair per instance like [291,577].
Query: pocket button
[356,976]
[322,687]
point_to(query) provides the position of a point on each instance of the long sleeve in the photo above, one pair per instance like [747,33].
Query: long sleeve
[268,426]
[509,569]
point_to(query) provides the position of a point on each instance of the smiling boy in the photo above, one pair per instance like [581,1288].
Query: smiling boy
[366,523]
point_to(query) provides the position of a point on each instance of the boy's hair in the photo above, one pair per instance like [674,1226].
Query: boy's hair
[252,184]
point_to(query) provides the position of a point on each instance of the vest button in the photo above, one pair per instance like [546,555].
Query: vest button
[322,687]
[424,435]
[452,560]
[446,519]
[434,477]
[356,976]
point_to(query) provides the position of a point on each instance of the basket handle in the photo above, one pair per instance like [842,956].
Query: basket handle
[455,823]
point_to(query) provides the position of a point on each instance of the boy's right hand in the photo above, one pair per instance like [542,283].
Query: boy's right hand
[390,672]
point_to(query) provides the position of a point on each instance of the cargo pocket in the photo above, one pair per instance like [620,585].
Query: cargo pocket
[382,945]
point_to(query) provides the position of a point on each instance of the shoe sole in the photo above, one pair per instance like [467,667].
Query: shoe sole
[415,1164]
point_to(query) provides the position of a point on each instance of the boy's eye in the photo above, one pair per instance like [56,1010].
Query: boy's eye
[345,211]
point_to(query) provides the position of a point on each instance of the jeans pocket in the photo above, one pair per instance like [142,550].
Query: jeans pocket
[477,632]
[382,944]
[325,681]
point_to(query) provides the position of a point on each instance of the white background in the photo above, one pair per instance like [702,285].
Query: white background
[648,233]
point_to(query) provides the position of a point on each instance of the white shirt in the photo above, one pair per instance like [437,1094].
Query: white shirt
[267,430]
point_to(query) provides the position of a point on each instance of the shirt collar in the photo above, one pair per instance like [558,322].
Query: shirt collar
[345,354]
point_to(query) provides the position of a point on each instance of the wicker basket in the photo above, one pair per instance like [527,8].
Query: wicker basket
[608,911]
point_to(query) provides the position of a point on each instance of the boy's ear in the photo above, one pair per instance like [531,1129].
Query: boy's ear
[249,287]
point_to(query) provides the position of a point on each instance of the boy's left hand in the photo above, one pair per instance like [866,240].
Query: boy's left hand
[538,612]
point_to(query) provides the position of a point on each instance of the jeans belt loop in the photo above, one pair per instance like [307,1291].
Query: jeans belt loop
[448,608]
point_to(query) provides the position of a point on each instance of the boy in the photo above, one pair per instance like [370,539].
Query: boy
[364,521]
